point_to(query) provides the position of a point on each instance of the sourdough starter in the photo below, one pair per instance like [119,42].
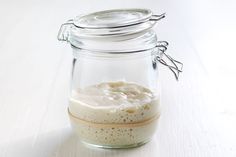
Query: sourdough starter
[114,114]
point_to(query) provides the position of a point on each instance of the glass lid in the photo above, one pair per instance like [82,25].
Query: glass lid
[117,22]
[109,24]
[113,18]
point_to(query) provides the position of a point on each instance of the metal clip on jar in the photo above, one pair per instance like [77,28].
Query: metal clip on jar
[115,92]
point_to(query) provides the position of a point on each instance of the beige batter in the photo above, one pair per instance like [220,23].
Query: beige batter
[114,114]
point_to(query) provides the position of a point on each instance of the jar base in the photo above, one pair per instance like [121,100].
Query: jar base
[116,146]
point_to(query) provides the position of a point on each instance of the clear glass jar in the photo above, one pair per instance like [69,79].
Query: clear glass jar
[115,92]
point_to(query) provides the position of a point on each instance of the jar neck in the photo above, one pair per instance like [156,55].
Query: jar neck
[78,53]
[116,44]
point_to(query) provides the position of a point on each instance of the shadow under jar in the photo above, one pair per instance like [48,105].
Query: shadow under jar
[115,92]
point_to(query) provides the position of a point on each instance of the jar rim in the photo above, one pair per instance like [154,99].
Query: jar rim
[78,53]
[126,44]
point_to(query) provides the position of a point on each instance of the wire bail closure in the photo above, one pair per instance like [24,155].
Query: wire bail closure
[157,17]
[166,60]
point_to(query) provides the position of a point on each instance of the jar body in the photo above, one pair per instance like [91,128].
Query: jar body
[115,98]
[115,92]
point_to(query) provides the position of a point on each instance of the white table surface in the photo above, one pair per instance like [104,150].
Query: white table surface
[198,112]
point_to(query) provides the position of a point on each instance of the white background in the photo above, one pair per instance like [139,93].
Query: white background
[198,112]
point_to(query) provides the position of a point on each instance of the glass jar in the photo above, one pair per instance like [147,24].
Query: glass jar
[115,92]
